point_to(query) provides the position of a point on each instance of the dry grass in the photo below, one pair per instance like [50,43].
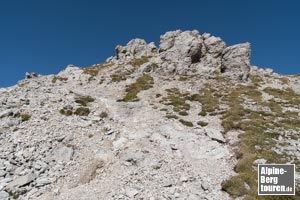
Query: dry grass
[136,62]
[257,128]
[58,78]
[82,111]
[84,100]
[143,83]
[186,123]
[94,70]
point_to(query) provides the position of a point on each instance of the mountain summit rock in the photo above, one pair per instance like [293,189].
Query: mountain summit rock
[190,52]
[187,119]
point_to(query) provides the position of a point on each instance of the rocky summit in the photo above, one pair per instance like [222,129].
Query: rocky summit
[188,119]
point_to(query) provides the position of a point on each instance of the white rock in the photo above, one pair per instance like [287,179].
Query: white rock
[215,135]
[4,195]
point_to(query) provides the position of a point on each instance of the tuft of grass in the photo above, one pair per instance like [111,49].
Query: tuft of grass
[208,100]
[289,95]
[84,100]
[58,78]
[66,112]
[186,123]
[183,113]
[176,99]
[103,115]
[94,70]
[256,80]
[171,116]
[143,83]
[136,62]
[24,116]
[202,123]
[82,111]
[117,77]
[235,186]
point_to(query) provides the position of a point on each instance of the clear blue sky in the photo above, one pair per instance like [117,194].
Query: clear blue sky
[46,35]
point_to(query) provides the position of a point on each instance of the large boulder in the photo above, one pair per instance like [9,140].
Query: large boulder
[236,60]
[180,48]
[177,46]
[212,51]
[136,48]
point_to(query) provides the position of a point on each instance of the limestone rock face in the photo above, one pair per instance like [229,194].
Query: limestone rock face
[212,50]
[136,48]
[236,60]
[188,52]
[181,48]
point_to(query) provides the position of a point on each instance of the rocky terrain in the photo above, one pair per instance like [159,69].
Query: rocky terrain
[190,119]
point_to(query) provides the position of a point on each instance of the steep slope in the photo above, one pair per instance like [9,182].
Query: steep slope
[188,120]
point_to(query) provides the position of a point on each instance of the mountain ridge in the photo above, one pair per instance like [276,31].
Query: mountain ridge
[190,119]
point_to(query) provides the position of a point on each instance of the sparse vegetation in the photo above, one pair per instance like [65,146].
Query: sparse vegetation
[202,123]
[103,114]
[84,100]
[169,116]
[143,83]
[176,99]
[186,123]
[259,130]
[208,100]
[82,111]
[66,112]
[24,116]
[94,70]
[183,113]
[58,78]
[136,62]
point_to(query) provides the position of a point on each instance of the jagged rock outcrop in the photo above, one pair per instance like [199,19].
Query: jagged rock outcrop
[184,52]
[236,60]
[135,48]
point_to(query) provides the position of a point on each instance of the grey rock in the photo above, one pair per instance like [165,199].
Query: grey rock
[6,113]
[205,186]
[31,75]
[259,161]
[43,181]
[2,173]
[131,192]
[21,181]
[214,46]
[236,60]
[5,180]
[63,154]
[4,195]
[135,48]
[215,135]
[183,48]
